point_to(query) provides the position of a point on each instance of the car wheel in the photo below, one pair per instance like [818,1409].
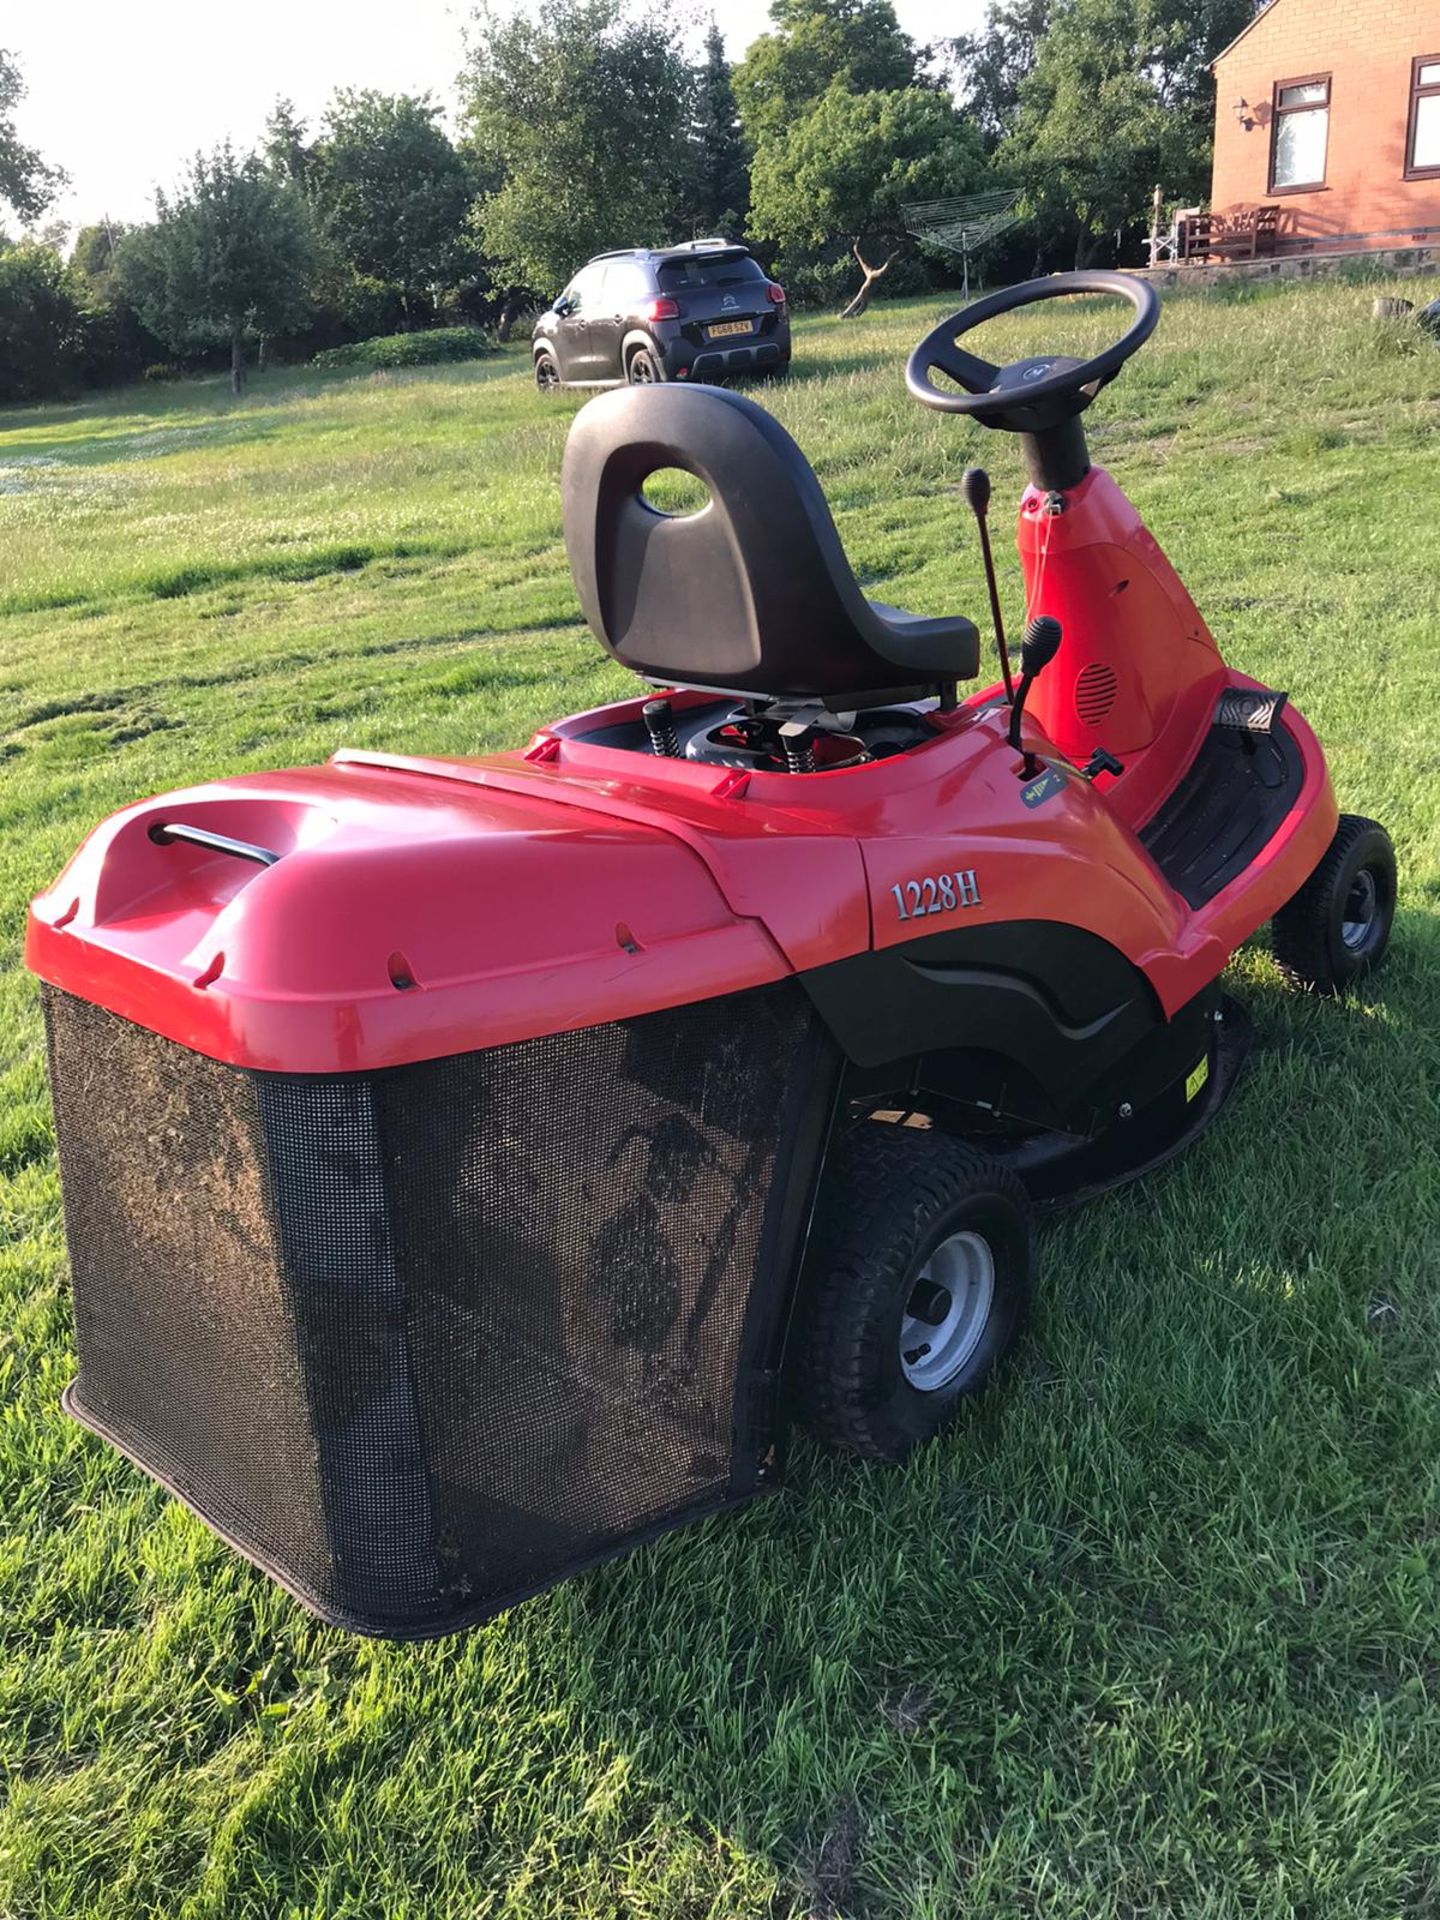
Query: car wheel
[642,369]
[1337,927]
[547,374]
[921,1274]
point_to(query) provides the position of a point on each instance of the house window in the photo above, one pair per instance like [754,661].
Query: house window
[1301,131]
[1422,149]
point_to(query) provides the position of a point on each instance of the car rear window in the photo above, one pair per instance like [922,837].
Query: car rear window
[734,270]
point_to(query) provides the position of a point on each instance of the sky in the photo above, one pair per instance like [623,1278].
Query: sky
[120,95]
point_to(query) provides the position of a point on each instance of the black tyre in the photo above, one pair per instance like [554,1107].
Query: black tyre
[1337,927]
[921,1274]
[547,374]
[642,369]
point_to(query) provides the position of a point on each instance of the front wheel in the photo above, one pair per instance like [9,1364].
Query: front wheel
[1337,927]
[547,374]
[923,1267]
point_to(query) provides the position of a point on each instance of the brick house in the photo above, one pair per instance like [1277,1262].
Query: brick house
[1330,110]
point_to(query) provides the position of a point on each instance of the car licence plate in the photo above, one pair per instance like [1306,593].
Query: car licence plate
[727,327]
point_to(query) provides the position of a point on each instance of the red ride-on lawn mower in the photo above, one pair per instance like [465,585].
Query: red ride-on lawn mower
[470,1165]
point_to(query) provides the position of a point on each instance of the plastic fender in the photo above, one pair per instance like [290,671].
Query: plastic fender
[397,925]
[797,870]
[1065,858]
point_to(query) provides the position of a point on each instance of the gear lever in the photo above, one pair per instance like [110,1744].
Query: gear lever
[1037,649]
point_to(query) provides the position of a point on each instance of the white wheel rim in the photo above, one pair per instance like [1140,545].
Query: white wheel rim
[947,1312]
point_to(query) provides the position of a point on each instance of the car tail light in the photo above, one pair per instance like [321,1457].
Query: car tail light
[663,309]
[777,294]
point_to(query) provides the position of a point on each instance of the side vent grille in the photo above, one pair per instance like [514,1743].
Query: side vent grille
[1095,692]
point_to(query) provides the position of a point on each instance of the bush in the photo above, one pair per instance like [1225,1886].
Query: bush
[430,349]
[163,370]
[117,345]
[42,323]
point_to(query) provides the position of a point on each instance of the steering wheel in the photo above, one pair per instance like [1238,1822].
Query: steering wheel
[1028,395]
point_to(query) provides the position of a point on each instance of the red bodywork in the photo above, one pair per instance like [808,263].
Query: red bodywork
[428,907]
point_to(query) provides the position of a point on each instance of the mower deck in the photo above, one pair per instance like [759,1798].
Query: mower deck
[1061,1171]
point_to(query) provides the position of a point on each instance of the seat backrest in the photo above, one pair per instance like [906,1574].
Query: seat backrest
[752,593]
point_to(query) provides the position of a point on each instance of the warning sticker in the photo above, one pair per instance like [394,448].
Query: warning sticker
[1197,1079]
[1036,792]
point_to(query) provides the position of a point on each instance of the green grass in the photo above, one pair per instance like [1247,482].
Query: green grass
[1154,1632]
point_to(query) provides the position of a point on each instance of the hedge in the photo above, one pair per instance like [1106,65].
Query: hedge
[430,349]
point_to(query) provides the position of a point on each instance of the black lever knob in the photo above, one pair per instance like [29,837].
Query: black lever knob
[975,485]
[1039,644]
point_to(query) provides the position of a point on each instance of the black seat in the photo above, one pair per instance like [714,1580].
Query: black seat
[752,594]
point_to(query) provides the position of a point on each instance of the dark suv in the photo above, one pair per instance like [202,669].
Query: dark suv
[701,311]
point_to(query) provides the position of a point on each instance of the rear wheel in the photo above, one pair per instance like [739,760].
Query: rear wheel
[642,369]
[1337,927]
[547,374]
[922,1273]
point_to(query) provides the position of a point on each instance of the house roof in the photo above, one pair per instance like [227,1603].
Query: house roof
[1263,14]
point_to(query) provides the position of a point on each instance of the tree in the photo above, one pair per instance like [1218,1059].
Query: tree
[1043,75]
[94,253]
[817,44]
[990,66]
[42,329]
[229,255]
[720,179]
[27,184]
[392,195]
[1134,70]
[843,169]
[1184,37]
[577,120]
[1187,36]
[117,343]
[287,154]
